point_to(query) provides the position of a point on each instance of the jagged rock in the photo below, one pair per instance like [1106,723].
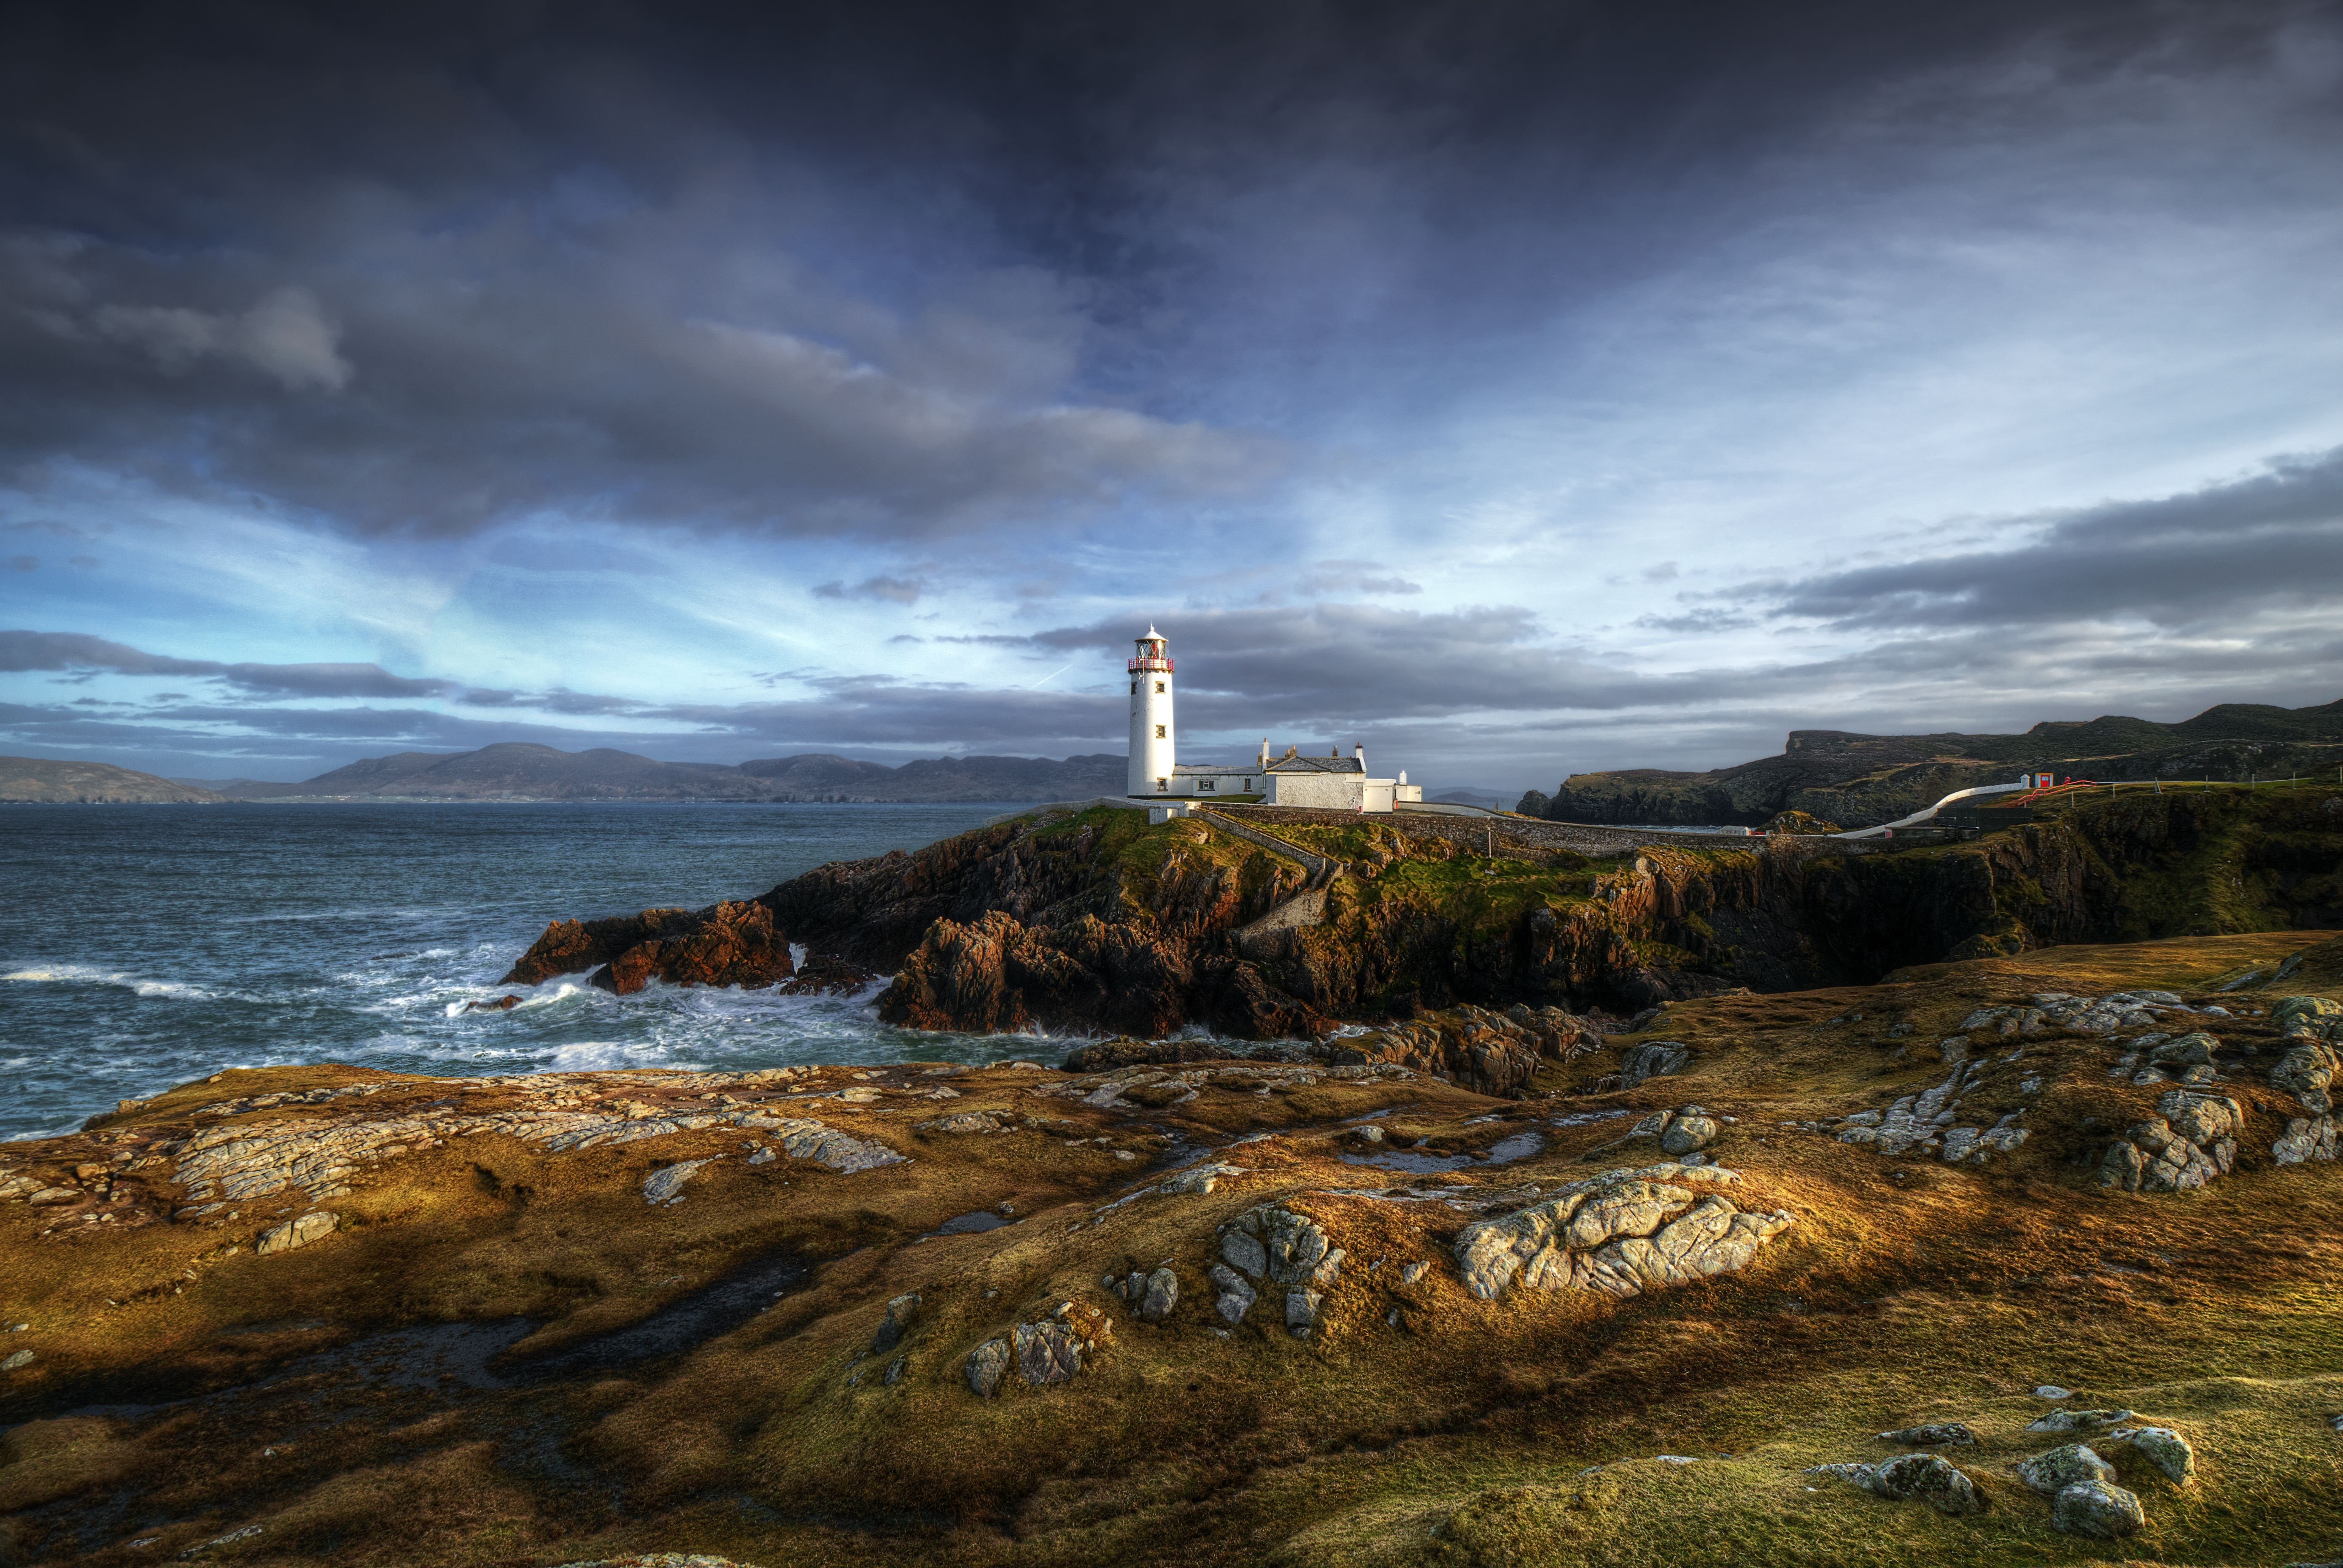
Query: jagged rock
[901,1312]
[1235,1296]
[2162,1447]
[502,1004]
[2201,1117]
[1686,1134]
[725,944]
[2308,1071]
[1302,1311]
[2079,1420]
[987,1365]
[297,1232]
[1198,1179]
[1930,1434]
[2097,1507]
[2052,1472]
[1620,1232]
[18,1361]
[2306,1138]
[1926,1478]
[1413,1272]
[665,1184]
[894,1373]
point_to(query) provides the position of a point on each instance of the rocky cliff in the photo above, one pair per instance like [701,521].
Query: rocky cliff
[1095,921]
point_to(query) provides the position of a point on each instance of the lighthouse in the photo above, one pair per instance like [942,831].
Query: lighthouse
[1150,716]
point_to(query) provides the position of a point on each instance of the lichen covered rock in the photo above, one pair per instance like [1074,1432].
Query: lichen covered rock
[1621,1233]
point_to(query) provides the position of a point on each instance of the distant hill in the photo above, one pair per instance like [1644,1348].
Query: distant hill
[521,771]
[35,781]
[1860,780]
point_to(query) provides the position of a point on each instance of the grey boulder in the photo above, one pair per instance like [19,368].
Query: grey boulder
[2097,1507]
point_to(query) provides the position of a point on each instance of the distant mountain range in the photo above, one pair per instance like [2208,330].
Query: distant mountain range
[37,781]
[521,771]
[1860,780]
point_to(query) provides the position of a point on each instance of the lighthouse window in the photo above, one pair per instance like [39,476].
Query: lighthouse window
[1159,732]
[1210,784]
[1134,689]
[1159,689]
[1161,785]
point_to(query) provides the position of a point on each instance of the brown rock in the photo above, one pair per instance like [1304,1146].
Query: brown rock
[502,1004]
[730,944]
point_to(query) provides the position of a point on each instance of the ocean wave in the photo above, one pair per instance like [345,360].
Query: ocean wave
[82,974]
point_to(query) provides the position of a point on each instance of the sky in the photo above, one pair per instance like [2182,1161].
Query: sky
[1516,390]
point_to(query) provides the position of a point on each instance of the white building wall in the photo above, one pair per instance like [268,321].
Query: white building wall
[1324,791]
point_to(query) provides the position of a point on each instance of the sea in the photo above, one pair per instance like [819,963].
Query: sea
[144,946]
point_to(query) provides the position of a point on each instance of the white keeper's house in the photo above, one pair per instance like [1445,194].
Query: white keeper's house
[1333,782]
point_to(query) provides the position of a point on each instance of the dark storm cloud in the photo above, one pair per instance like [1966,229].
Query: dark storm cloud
[889,269]
[2271,542]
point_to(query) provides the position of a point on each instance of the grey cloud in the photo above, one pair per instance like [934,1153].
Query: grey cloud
[894,590]
[77,652]
[285,337]
[2252,546]
[24,563]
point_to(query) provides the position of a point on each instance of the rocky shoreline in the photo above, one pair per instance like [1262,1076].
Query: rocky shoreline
[1662,1279]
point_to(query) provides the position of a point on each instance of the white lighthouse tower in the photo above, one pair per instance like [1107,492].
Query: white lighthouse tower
[1150,716]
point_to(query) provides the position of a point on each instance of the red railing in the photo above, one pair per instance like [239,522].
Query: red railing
[1136,664]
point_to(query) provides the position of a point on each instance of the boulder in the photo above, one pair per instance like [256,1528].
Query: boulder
[2079,1420]
[1926,1478]
[2162,1447]
[1653,1059]
[2187,1050]
[2097,1507]
[1234,1297]
[1302,1306]
[1686,1134]
[1162,1295]
[1930,1434]
[987,1364]
[2052,1472]
[297,1232]
[901,1312]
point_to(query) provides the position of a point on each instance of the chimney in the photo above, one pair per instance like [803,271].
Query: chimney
[1360,753]
[1265,751]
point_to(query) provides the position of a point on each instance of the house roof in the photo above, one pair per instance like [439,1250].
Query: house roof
[1316,765]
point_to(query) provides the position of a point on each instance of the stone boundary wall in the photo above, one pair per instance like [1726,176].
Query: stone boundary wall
[1322,870]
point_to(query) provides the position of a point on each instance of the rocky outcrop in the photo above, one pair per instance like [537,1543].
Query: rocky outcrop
[728,944]
[1926,1478]
[1622,1232]
[2193,1142]
[1283,1252]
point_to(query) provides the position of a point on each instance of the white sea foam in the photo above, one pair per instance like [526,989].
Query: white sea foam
[83,974]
